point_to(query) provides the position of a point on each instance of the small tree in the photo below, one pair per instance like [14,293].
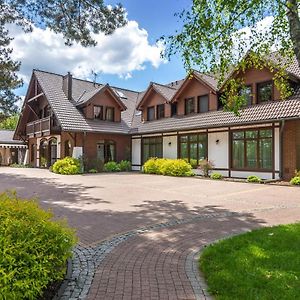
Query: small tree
[206,166]
[10,122]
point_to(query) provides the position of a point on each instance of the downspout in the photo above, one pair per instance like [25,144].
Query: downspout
[281,149]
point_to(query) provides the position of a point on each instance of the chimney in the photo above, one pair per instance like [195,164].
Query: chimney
[67,85]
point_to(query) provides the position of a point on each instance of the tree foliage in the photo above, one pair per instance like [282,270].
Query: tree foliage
[217,35]
[77,20]
[10,122]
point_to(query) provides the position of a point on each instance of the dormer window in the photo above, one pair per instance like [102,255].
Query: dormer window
[110,114]
[160,111]
[203,104]
[189,106]
[98,112]
[150,113]
[264,92]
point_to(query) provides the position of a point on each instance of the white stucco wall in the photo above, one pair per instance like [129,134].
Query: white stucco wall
[218,152]
[245,174]
[136,154]
[170,147]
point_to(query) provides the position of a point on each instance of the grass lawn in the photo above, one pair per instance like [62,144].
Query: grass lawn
[262,264]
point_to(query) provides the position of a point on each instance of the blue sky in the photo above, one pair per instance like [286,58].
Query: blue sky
[148,21]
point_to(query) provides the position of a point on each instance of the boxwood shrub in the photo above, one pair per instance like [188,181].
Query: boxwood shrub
[295,180]
[216,176]
[125,165]
[111,166]
[67,166]
[34,248]
[253,178]
[169,167]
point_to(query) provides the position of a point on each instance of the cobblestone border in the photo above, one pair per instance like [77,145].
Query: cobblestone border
[86,259]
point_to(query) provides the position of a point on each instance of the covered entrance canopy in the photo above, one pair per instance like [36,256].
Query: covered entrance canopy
[11,151]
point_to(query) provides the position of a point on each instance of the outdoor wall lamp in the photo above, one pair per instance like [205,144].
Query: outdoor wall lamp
[217,141]
[170,144]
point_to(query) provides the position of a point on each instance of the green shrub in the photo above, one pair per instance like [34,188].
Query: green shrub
[253,178]
[295,180]
[34,248]
[194,163]
[169,167]
[152,165]
[205,166]
[15,165]
[93,171]
[216,176]
[125,165]
[67,166]
[297,173]
[111,166]
[175,167]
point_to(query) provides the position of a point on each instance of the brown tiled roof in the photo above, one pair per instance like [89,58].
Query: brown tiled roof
[267,112]
[208,79]
[71,118]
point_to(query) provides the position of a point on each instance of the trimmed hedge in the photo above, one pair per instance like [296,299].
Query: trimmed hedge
[34,248]
[168,167]
[67,166]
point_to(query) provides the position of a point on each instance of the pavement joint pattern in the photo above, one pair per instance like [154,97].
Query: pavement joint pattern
[86,259]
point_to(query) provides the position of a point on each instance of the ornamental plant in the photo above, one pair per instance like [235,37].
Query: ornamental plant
[295,180]
[253,178]
[67,166]
[125,165]
[111,166]
[34,248]
[206,166]
[168,167]
[216,176]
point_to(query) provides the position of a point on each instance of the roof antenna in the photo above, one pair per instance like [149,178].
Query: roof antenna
[95,75]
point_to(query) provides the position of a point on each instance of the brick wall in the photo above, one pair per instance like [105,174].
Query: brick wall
[291,148]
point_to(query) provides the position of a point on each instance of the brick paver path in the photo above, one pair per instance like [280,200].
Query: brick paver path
[155,263]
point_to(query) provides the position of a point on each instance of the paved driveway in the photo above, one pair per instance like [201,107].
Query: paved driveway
[167,221]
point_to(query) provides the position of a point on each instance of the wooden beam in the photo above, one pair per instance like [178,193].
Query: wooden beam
[35,97]
[33,111]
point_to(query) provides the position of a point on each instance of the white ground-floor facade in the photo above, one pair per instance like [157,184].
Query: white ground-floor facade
[237,151]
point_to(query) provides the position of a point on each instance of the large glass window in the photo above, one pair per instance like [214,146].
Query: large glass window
[246,91]
[193,148]
[203,103]
[152,147]
[98,112]
[189,106]
[264,91]
[150,113]
[106,151]
[252,149]
[110,114]
[160,111]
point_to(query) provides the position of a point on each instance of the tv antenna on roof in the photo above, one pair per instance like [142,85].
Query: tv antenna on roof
[95,75]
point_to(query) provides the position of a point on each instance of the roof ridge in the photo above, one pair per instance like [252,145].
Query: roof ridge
[169,87]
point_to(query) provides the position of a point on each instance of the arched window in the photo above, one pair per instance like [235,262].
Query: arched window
[68,148]
[52,151]
[43,153]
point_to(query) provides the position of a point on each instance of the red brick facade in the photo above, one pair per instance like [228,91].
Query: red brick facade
[291,148]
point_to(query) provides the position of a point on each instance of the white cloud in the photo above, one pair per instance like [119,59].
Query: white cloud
[126,50]
[244,38]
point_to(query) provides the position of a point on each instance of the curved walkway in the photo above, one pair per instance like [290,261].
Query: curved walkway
[121,255]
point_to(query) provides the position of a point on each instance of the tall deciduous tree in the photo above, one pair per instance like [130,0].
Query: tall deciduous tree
[77,20]
[216,35]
